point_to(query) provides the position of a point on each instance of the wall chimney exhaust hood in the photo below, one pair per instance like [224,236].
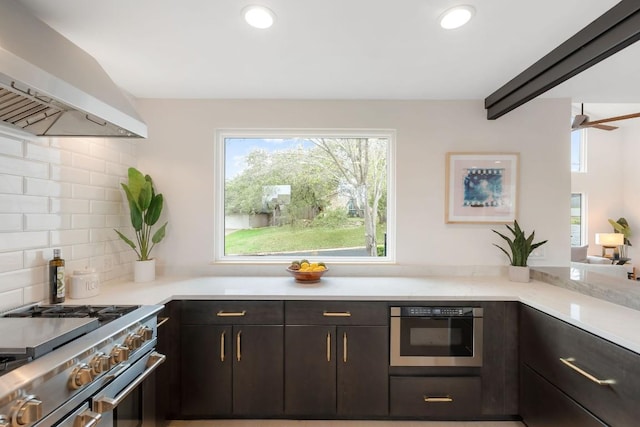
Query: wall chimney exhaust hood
[51,87]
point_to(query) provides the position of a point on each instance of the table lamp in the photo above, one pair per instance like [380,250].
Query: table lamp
[610,241]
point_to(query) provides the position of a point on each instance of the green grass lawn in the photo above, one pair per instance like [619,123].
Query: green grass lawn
[291,239]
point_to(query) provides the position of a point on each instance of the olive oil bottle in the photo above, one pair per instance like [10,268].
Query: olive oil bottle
[56,278]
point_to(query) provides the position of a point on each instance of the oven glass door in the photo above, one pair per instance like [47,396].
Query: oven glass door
[437,337]
[128,413]
[126,402]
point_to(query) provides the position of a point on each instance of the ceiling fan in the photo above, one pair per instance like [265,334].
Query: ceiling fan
[580,121]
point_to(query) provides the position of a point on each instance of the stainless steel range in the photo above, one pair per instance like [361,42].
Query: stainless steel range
[76,365]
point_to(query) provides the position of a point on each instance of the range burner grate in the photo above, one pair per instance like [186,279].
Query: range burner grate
[104,314]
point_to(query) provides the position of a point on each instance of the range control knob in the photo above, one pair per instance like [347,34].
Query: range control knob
[81,375]
[133,341]
[4,421]
[100,363]
[146,333]
[119,353]
[27,411]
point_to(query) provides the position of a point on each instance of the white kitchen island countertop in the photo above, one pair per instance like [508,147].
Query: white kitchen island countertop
[613,322]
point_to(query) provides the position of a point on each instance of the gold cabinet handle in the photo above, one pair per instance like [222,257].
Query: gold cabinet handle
[223,313]
[222,349]
[344,347]
[569,362]
[438,399]
[328,346]
[238,346]
[336,314]
[162,321]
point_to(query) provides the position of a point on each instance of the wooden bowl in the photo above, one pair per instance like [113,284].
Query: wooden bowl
[307,276]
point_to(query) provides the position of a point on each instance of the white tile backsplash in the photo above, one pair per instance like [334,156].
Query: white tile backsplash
[19,203]
[11,184]
[11,261]
[63,193]
[10,222]
[16,166]
[11,147]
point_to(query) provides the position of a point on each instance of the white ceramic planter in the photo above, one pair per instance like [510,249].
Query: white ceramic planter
[519,274]
[144,271]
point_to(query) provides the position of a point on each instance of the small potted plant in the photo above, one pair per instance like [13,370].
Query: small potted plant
[520,247]
[145,207]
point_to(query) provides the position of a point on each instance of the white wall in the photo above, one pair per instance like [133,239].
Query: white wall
[60,193]
[179,154]
[630,159]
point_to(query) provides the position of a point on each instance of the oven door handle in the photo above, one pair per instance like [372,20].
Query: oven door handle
[105,404]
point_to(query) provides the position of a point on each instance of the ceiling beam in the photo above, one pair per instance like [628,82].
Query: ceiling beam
[616,29]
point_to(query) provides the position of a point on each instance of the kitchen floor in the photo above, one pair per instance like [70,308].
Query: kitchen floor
[295,423]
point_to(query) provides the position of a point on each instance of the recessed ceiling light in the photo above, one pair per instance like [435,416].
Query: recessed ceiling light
[258,16]
[456,17]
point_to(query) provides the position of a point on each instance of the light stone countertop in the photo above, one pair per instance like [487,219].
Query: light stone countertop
[614,322]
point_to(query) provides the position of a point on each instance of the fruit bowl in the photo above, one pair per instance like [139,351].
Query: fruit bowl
[307,276]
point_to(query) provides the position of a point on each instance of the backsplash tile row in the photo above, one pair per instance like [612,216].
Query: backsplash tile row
[60,193]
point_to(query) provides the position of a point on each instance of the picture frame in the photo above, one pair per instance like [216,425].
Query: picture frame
[481,187]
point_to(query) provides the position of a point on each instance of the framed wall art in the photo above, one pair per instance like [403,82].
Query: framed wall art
[481,187]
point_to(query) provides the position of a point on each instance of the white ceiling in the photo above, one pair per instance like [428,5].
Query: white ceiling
[333,49]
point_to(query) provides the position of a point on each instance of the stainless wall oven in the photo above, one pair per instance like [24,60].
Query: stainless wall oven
[436,336]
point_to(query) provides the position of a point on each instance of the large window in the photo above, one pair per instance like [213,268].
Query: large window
[577,220]
[314,195]
[578,151]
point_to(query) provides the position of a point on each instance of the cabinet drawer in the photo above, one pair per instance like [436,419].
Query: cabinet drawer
[546,340]
[336,313]
[435,397]
[544,405]
[232,312]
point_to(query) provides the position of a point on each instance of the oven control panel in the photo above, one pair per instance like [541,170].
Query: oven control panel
[429,311]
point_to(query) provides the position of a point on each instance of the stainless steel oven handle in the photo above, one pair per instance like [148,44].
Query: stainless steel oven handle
[105,404]
[87,419]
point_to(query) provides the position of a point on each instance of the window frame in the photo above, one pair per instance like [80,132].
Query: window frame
[583,218]
[582,155]
[266,133]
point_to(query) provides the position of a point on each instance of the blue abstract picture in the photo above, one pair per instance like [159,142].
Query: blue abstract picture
[483,187]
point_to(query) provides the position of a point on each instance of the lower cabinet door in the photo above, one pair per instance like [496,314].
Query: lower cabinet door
[205,365]
[543,405]
[435,397]
[310,370]
[363,371]
[258,379]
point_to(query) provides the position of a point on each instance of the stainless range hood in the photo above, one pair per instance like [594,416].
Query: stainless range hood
[51,87]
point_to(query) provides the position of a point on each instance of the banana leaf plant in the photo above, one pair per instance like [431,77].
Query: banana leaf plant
[622,226]
[520,245]
[145,207]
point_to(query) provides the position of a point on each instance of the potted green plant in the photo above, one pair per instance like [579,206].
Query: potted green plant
[145,207]
[520,247]
[622,226]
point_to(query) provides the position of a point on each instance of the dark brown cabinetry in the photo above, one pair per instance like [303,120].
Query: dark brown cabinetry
[435,397]
[486,392]
[337,359]
[167,384]
[232,358]
[584,372]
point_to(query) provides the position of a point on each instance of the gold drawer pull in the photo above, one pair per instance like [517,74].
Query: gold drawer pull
[222,349]
[438,399]
[336,314]
[223,313]
[328,347]
[162,321]
[569,362]
[344,348]
[239,346]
